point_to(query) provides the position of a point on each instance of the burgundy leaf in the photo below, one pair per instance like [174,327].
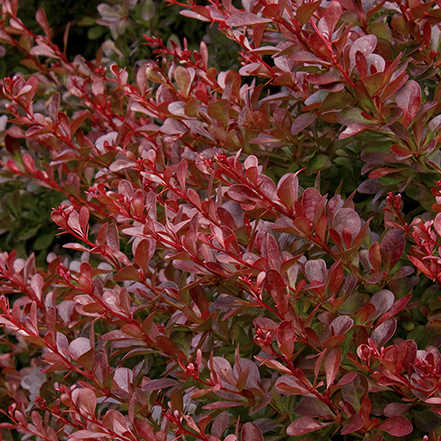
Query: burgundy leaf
[384,332]
[311,199]
[349,219]
[396,426]
[287,190]
[392,247]
[250,432]
[341,324]
[313,407]
[289,385]
[302,122]
[383,301]
[396,409]
[160,384]
[220,423]
[275,285]
[222,405]
[353,424]
[316,270]
[305,425]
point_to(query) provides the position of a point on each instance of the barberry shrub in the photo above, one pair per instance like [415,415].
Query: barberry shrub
[251,255]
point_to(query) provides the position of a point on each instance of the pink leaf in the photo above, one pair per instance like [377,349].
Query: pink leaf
[245,19]
[183,80]
[196,15]
[409,97]
[437,224]
[305,425]
[356,128]
[366,45]
[85,434]
[79,346]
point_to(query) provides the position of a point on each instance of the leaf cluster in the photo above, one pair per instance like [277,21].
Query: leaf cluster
[244,260]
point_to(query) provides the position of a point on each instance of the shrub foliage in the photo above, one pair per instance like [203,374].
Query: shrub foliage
[251,255]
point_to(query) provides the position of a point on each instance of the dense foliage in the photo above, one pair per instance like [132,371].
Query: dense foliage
[249,254]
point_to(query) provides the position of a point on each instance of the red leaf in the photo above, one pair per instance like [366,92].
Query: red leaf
[275,285]
[181,173]
[332,15]
[361,63]
[285,338]
[290,385]
[332,365]
[305,11]
[396,426]
[305,425]
[311,199]
[287,190]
